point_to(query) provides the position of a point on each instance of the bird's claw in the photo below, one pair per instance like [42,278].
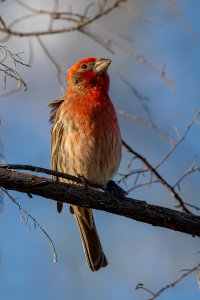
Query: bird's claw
[83,181]
[115,189]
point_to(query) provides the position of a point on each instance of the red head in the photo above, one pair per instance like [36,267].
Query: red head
[89,73]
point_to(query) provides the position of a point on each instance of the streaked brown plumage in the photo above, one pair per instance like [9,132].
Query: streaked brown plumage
[85,140]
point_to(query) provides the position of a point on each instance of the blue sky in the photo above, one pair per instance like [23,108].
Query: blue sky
[136,252]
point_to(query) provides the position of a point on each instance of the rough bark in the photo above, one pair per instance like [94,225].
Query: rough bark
[87,197]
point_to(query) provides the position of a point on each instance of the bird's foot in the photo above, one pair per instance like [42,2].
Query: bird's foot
[115,189]
[83,180]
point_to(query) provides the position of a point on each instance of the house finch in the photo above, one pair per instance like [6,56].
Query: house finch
[85,141]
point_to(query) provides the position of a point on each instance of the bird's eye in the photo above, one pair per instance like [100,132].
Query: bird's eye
[84,66]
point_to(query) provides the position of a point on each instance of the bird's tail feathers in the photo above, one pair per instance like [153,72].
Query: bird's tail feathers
[95,256]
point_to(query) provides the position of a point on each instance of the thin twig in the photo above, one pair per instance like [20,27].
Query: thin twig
[140,17]
[75,27]
[134,118]
[179,14]
[181,139]
[140,58]
[186,174]
[29,216]
[104,42]
[153,170]
[141,185]
[174,282]
[59,71]
[10,71]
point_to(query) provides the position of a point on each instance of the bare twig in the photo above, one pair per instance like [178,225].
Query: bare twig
[192,205]
[174,282]
[134,118]
[141,185]
[179,14]
[104,42]
[192,169]
[153,170]
[10,71]
[181,139]
[59,71]
[139,16]
[55,9]
[78,25]
[140,58]
[140,286]
[36,224]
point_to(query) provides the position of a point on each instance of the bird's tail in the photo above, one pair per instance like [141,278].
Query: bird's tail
[96,258]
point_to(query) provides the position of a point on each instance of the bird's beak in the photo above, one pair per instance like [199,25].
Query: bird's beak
[101,65]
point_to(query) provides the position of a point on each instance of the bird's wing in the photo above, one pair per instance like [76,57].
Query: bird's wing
[56,134]
[56,141]
[54,104]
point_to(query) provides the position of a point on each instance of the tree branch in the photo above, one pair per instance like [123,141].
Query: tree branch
[174,282]
[78,24]
[53,173]
[171,189]
[86,197]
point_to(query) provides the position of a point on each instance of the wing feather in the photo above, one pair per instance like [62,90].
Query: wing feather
[54,104]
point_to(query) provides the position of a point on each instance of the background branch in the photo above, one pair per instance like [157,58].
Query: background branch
[153,170]
[171,284]
[8,66]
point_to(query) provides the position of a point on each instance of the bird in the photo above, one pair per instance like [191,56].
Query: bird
[86,141]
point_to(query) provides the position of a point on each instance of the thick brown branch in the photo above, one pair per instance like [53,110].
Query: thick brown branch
[78,195]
